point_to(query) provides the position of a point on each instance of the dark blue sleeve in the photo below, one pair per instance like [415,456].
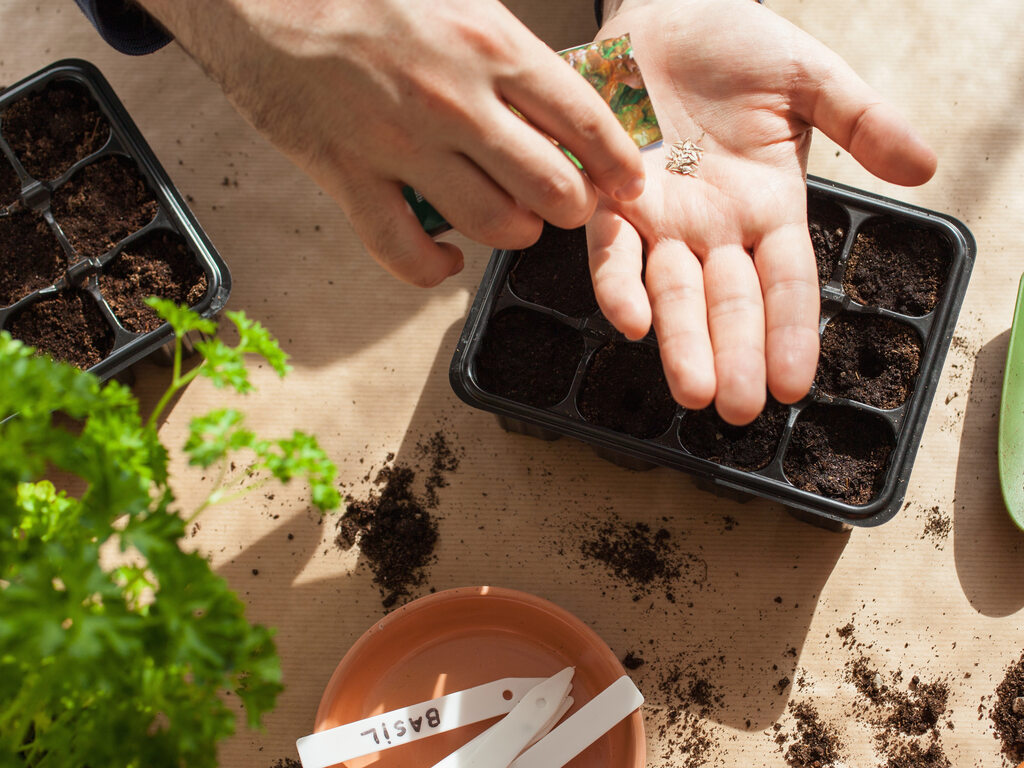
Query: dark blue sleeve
[125,25]
[599,12]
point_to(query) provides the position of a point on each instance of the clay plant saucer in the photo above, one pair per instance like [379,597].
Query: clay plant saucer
[460,638]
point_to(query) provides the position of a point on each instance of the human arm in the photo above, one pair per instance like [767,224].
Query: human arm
[370,95]
[730,281]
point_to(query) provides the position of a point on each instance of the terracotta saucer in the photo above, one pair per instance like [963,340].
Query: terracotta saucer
[464,637]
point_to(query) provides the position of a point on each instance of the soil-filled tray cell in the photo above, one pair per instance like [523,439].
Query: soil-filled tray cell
[752,447]
[555,272]
[839,452]
[10,186]
[899,266]
[624,389]
[68,327]
[157,265]
[828,224]
[31,257]
[528,357]
[102,204]
[52,130]
[868,358]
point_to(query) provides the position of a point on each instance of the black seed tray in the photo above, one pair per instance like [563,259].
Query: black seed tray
[568,332]
[41,196]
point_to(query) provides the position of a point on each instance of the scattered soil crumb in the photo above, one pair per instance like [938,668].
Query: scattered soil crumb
[1008,713]
[815,743]
[632,661]
[913,755]
[642,558]
[286,762]
[937,527]
[917,711]
[846,635]
[393,525]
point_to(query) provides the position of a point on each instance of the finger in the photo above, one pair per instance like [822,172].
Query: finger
[392,234]
[736,324]
[563,105]
[853,115]
[675,284]
[534,171]
[616,267]
[474,204]
[789,284]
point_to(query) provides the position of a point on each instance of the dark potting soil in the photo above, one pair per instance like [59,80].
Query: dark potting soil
[828,224]
[917,711]
[815,744]
[913,755]
[528,357]
[839,452]
[555,272]
[31,257]
[393,526]
[10,186]
[898,266]
[868,358]
[751,447]
[286,762]
[624,389]
[102,204]
[158,265]
[69,327]
[937,527]
[1008,712]
[644,559]
[51,130]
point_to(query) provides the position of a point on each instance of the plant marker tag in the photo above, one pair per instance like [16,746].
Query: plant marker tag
[498,746]
[417,721]
[587,725]
[609,66]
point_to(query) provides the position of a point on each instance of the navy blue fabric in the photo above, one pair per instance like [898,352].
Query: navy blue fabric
[126,26]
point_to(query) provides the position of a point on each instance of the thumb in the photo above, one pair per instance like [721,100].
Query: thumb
[833,98]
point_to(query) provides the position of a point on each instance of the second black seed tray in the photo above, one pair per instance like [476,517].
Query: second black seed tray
[90,224]
[537,353]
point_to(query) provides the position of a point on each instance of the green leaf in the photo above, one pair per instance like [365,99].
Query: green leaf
[213,436]
[254,338]
[182,319]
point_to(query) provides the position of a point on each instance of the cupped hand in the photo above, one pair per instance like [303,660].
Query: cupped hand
[721,261]
[368,96]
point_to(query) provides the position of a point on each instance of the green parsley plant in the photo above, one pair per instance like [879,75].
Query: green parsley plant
[127,664]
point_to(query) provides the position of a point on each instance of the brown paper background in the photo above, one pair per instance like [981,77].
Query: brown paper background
[371,358]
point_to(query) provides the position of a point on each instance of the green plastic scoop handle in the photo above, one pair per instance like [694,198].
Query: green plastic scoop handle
[1011,419]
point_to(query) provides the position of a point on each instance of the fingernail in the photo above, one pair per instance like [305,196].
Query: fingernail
[630,191]
[459,266]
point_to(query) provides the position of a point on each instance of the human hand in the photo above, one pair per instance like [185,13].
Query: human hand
[370,95]
[730,279]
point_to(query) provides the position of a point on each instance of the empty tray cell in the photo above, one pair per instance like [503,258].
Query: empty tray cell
[68,327]
[528,357]
[31,257]
[751,447]
[624,389]
[828,224]
[868,358]
[159,264]
[899,266]
[102,204]
[10,186]
[839,452]
[53,129]
[555,272]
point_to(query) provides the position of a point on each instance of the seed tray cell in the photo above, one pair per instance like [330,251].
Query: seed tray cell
[842,455]
[90,225]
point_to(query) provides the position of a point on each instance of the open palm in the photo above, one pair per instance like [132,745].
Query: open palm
[721,261]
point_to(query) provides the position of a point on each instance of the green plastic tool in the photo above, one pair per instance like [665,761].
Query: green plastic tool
[1011,419]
